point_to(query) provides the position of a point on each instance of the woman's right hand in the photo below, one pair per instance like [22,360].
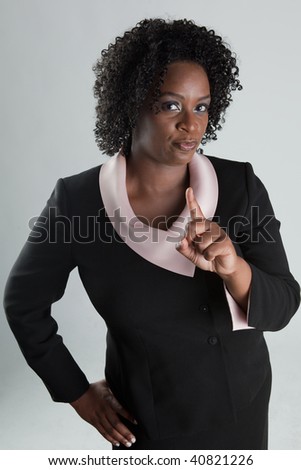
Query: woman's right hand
[99,407]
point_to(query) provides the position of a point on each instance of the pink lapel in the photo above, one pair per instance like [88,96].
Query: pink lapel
[155,245]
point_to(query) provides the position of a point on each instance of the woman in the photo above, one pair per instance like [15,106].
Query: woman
[182,256]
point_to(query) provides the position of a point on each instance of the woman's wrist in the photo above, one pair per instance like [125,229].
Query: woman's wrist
[238,282]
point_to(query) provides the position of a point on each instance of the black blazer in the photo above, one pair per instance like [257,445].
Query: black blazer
[172,357]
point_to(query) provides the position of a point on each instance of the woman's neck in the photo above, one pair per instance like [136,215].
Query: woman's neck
[156,191]
[151,177]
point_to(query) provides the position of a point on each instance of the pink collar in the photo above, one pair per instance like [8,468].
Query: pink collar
[155,245]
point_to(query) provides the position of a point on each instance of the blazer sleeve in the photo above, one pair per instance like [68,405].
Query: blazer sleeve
[275,294]
[38,279]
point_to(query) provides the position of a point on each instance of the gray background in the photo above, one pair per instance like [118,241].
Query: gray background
[47,120]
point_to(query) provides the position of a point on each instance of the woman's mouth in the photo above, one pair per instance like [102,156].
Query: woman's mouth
[186,145]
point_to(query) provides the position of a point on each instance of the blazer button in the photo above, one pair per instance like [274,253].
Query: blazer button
[204,308]
[212,340]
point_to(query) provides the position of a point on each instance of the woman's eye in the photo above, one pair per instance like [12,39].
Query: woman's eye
[202,108]
[171,106]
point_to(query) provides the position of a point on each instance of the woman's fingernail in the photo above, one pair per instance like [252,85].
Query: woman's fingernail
[178,245]
[117,444]
[133,440]
[128,444]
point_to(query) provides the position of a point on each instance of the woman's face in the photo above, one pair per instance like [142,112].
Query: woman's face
[171,133]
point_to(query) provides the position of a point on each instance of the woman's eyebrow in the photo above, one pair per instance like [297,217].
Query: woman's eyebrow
[177,95]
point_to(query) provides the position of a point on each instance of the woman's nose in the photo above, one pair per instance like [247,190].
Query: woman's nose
[187,122]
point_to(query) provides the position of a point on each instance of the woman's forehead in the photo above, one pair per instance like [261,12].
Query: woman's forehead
[184,75]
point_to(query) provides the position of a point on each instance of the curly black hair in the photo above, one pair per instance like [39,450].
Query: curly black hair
[137,62]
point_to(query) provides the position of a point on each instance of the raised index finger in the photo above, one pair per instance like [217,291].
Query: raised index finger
[193,206]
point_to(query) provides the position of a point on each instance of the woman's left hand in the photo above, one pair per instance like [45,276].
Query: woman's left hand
[206,244]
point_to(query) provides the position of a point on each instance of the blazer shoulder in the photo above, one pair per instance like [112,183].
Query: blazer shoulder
[224,164]
[84,178]
[231,174]
[82,190]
